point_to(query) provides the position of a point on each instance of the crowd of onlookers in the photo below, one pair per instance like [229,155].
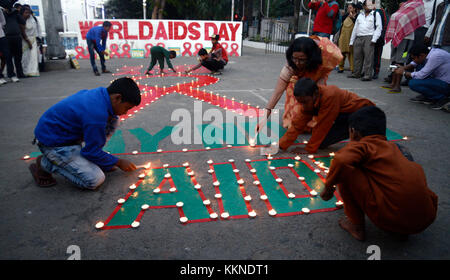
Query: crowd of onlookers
[419,32]
[20,43]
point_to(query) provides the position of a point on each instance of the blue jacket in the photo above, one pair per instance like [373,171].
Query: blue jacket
[98,34]
[80,117]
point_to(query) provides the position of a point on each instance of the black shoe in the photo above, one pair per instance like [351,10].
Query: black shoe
[421,99]
[365,79]
[375,76]
[96,73]
[353,76]
[106,71]
[441,103]
[404,83]
[340,71]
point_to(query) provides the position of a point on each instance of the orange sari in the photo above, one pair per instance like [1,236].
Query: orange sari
[331,57]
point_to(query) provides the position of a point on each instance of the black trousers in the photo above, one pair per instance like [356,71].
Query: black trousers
[338,132]
[213,64]
[15,53]
[4,49]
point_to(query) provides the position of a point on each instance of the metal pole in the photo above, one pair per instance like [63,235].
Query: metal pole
[268,5]
[309,22]
[232,10]
[144,7]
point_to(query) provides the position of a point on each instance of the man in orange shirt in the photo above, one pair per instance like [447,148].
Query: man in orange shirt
[375,178]
[332,107]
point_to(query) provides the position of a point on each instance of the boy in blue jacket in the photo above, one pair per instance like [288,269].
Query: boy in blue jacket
[96,40]
[89,116]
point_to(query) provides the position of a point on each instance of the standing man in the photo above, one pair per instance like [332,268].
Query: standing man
[327,11]
[15,31]
[4,48]
[217,51]
[439,32]
[365,34]
[96,40]
[159,53]
[430,13]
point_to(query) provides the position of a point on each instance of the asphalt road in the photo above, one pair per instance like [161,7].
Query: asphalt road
[41,223]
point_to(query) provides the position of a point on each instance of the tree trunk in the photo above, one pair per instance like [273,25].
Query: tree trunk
[155,9]
[296,14]
[161,9]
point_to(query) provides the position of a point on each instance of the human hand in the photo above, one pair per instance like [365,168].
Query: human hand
[400,70]
[29,44]
[327,193]
[126,165]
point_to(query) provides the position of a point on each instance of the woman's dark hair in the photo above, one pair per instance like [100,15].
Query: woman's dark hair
[128,89]
[305,87]
[106,24]
[202,51]
[309,48]
[369,120]
[173,53]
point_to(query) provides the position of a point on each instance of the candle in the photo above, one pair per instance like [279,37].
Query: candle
[253,170]
[213,215]
[121,200]
[305,210]
[206,202]
[405,138]
[210,161]
[279,180]
[236,170]
[179,204]
[218,195]
[256,182]
[198,186]
[298,158]
[132,187]
[185,150]
[135,224]
[339,203]
[313,193]
[167,175]
[332,154]
[208,148]
[210,171]
[225,215]
[291,195]
[159,150]
[240,181]
[191,173]
[186,164]
[248,160]
[231,160]
[311,156]
[229,146]
[157,190]
[301,178]
[145,206]
[272,212]
[141,176]
[317,170]
[183,219]
[263,197]
[26,157]
[305,142]
[247,198]
[172,190]
[165,165]
[216,183]
[99,225]
[252,214]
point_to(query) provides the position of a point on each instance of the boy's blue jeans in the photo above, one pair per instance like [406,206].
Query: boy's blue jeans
[91,48]
[433,89]
[68,162]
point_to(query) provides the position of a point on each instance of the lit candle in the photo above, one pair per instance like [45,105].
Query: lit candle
[167,176]
[236,170]
[121,200]
[26,157]
[272,212]
[172,190]
[209,161]
[183,219]
[332,154]
[185,150]
[206,202]
[157,190]
[248,160]
[231,160]
[305,142]
[256,182]
[145,206]
[99,225]
[240,181]
[305,210]
[208,148]
[225,215]
[135,224]
[229,146]
[218,195]
[198,186]
[253,170]
[313,193]
[191,173]
[132,187]
[298,158]
[247,198]
[279,180]
[210,171]
[339,203]
[216,183]
[165,165]
[252,214]
[317,170]
[159,150]
[405,138]
[186,164]
[179,204]
[301,178]
[213,215]
[291,195]
[263,197]
[311,156]
[141,176]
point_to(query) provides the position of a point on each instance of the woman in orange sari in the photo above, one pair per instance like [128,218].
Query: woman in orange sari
[311,57]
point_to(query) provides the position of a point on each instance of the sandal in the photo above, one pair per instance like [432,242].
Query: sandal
[43,181]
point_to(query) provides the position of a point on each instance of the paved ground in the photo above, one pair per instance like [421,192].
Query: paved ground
[41,223]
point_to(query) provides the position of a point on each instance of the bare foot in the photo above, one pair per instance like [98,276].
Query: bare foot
[357,231]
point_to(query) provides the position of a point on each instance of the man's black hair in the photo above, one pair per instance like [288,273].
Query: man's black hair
[173,53]
[202,51]
[127,88]
[418,49]
[305,87]
[369,120]
[307,46]
[106,24]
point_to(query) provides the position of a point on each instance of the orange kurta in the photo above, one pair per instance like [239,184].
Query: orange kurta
[375,178]
[331,102]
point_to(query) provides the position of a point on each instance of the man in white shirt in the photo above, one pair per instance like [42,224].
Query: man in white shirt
[366,32]
[430,13]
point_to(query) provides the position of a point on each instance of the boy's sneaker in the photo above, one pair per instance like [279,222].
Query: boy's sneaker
[14,79]
[441,103]
[421,99]
[2,81]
